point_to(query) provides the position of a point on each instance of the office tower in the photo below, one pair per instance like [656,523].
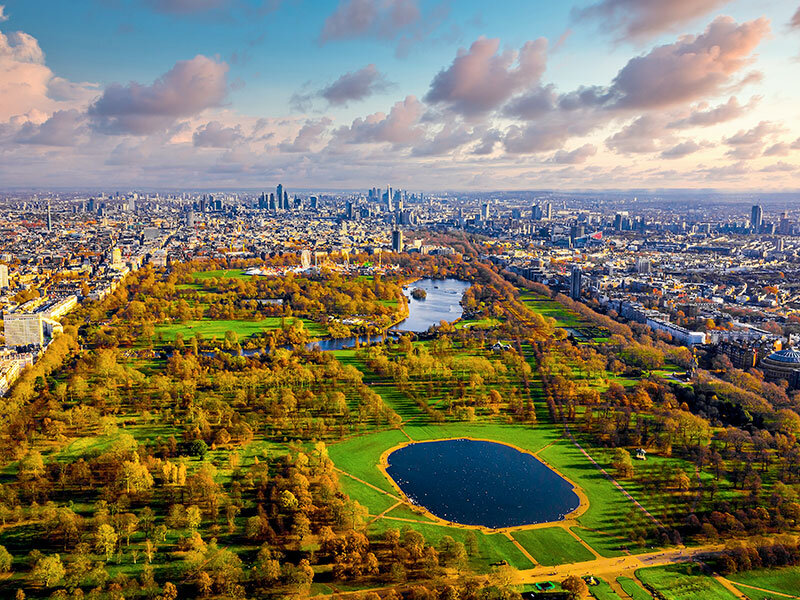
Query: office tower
[3,277]
[188,220]
[575,283]
[485,211]
[279,195]
[536,212]
[643,266]
[389,205]
[49,218]
[314,202]
[756,218]
[286,200]
[397,241]
[388,194]
[349,209]
[618,222]
[272,201]
[92,205]
[132,203]
[549,210]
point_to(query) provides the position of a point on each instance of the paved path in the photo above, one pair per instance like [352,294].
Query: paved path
[374,487]
[521,548]
[611,479]
[730,587]
[722,580]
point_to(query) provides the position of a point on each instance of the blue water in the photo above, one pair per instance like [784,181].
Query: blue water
[481,483]
[442,303]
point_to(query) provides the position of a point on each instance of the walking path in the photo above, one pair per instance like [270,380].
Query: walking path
[723,581]
[730,587]
[374,487]
[521,548]
[611,479]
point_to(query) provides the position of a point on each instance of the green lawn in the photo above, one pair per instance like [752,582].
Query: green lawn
[785,580]
[633,589]
[603,591]
[683,582]
[209,328]
[605,545]
[218,274]
[550,308]
[552,546]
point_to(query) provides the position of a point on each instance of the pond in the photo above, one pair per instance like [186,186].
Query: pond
[442,303]
[481,483]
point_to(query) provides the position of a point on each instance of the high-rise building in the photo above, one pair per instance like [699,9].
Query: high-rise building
[3,277]
[397,241]
[305,259]
[279,195]
[536,212]
[49,218]
[575,283]
[643,265]
[348,211]
[549,210]
[756,218]
[485,211]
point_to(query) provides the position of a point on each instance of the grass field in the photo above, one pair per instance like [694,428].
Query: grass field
[219,274]
[550,308]
[605,545]
[209,328]
[683,582]
[552,546]
[785,580]
[633,589]
[603,591]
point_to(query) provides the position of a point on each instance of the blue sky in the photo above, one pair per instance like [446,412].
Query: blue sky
[273,60]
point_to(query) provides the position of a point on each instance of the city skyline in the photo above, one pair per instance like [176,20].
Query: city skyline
[611,94]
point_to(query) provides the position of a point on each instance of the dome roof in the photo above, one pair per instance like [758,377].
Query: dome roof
[788,356]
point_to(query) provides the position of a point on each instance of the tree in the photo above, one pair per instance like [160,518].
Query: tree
[49,570]
[204,583]
[622,463]
[5,560]
[575,586]
[106,540]
[136,476]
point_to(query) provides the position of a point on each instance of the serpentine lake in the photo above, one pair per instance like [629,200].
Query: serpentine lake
[481,483]
[441,304]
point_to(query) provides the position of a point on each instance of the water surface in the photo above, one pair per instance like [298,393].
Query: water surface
[481,483]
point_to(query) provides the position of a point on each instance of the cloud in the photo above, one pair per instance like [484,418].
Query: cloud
[369,18]
[488,142]
[185,7]
[779,167]
[400,127]
[640,20]
[447,139]
[3,15]
[61,129]
[778,149]
[215,135]
[481,79]
[640,136]
[703,116]
[309,135]
[682,149]
[351,87]
[24,78]
[187,89]
[575,157]
[794,23]
[693,67]
[356,85]
[748,144]
[532,104]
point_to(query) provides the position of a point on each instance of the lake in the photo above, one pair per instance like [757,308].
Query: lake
[442,303]
[481,483]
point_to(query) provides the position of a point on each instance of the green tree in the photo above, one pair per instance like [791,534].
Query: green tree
[49,570]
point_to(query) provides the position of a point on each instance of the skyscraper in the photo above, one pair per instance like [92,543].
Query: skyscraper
[49,218]
[3,277]
[397,241]
[549,210]
[279,195]
[756,218]
[575,283]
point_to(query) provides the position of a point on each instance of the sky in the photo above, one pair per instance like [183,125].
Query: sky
[418,94]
